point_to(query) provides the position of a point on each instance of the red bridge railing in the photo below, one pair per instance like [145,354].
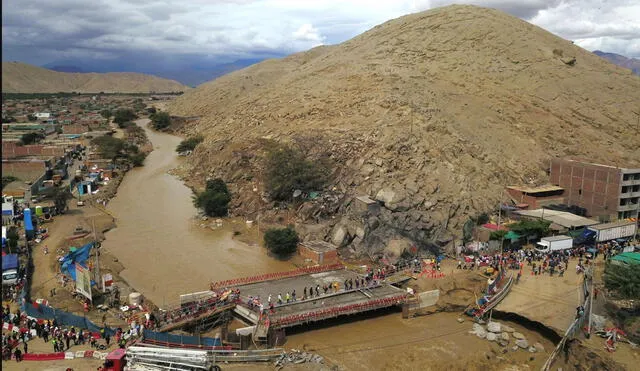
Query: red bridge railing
[275,276]
[337,311]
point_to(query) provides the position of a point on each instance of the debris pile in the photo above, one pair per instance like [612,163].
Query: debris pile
[502,334]
[296,356]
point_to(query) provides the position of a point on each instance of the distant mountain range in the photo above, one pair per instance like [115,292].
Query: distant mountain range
[631,63]
[190,73]
[24,78]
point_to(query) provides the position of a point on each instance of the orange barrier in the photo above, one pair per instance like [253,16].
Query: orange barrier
[336,311]
[275,276]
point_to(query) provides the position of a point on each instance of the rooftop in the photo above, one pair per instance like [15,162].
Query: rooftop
[612,225]
[625,169]
[544,188]
[561,237]
[561,218]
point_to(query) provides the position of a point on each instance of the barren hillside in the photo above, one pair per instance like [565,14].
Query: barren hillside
[24,78]
[432,113]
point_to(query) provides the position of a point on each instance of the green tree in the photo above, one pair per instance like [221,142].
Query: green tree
[137,159]
[281,241]
[288,170]
[497,235]
[106,113]
[12,237]
[528,228]
[214,200]
[31,138]
[108,146]
[151,110]
[31,117]
[189,144]
[623,279]
[160,120]
[123,115]
[482,219]
[60,197]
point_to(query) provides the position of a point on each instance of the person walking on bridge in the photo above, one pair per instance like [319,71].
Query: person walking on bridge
[279,299]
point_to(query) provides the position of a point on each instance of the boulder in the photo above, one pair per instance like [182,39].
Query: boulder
[539,347]
[505,336]
[517,335]
[506,328]
[522,343]
[532,349]
[340,235]
[395,248]
[493,327]
[392,198]
[491,336]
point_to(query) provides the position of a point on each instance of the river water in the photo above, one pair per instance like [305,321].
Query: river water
[159,239]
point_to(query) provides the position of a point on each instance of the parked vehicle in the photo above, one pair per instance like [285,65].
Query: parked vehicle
[612,231]
[555,243]
[10,265]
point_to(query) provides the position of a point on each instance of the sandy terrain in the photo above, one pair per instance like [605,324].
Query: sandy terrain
[532,297]
[24,78]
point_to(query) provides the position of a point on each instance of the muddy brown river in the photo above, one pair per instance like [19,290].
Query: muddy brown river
[159,238]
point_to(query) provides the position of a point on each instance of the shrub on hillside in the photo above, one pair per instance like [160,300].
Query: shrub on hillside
[281,241]
[160,120]
[189,144]
[214,200]
[123,115]
[108,146]
[288,169]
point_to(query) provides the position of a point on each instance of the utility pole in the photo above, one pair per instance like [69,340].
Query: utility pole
[98,279]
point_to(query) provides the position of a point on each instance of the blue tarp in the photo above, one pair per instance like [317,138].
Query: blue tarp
[28,224]
[80,256]
[65,318]
[10,262]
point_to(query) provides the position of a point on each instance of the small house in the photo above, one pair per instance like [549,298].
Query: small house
[320,252]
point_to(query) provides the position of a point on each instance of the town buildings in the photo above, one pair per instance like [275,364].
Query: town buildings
[606,192]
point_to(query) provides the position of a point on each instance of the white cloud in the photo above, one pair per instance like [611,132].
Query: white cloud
[36,30]
[307,32]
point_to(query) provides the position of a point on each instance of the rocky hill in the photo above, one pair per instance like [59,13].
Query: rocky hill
[432,113]
[631,63]
[24,78]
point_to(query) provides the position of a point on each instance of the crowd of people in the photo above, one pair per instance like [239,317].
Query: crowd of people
[50,331]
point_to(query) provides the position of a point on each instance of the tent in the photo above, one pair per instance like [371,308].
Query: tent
[630,258]
[79,256]
[511,235]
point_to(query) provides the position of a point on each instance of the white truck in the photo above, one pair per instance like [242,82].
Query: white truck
[555,243]
[615,230]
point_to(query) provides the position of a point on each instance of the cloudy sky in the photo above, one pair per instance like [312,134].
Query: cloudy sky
[178,31]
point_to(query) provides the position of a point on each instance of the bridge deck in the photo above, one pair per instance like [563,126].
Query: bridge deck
[349,302]
[551,301]
[192,319]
